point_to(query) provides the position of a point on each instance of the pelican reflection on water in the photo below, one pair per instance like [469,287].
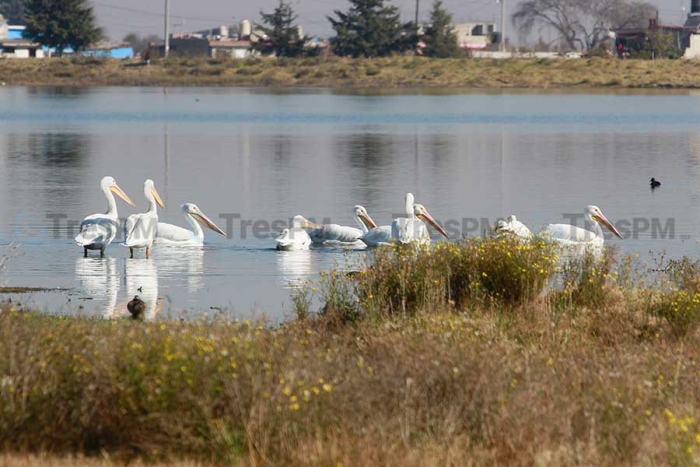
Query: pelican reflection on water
[98,279]
[141,278]
[294,266]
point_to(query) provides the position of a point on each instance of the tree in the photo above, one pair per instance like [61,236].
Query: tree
[582,24]
[280,34]
[139,43]
[440,38]
[61,24]
[13,11]
[661,44]
[371,29]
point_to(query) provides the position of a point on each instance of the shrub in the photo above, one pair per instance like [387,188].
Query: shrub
[588,280]
[681,309]
[407,280]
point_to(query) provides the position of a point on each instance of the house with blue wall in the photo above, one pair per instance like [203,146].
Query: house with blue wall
[109,50]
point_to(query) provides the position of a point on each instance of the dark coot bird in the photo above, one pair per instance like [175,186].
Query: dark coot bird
[136,307]
[654,183]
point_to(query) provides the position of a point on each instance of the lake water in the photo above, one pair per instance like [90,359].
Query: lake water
[253,158]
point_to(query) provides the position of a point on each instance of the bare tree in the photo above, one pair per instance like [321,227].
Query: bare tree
[582,24]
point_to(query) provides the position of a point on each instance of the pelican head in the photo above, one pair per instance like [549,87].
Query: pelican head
[199,216]
[363,215]
[301,222]
[594,214]
[149,190]
[110,184]
[421,213]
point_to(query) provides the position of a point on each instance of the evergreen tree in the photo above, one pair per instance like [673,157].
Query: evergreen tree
[440,38]
[13,11]
[282,36]
[61,24]
[370,28]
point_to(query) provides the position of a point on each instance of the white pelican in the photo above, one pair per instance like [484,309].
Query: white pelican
[169,234]
[98,231]
[372,235]
[334,234]
[412,229]
[296,238]
[570,235]
[140,229]
[513,227]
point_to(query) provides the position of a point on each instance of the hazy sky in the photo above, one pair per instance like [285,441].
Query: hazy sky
[119,17]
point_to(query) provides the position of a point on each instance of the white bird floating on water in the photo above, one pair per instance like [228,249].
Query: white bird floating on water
[372,235]
[296,237]
[140,229]
[566,235]
[412,229]
[98,230]
[169,234]
[512,226]
[335,234]
[570,235]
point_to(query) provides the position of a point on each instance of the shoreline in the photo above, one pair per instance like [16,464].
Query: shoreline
[394,73]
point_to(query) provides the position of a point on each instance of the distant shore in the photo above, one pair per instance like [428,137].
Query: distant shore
[394,72]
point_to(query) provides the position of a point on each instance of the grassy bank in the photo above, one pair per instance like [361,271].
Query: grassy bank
[393,72]
[456,355]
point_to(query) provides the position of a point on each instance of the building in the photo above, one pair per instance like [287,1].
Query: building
[231,48]
[633,40]
[475,36]
[13,45]
[109,50]
[692,25]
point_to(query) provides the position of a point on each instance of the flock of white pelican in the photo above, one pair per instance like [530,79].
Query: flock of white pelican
[140,230]
[143,230]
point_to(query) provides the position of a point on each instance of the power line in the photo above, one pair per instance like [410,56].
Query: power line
[153,13]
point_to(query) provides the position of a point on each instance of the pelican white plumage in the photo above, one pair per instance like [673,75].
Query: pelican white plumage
[372,235]
[169,234]
[335,234]
[296,238]
[140,229]
[98,230]
[513,227]
[412,229]
[571,235]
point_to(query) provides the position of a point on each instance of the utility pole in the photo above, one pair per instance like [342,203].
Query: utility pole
[503,26]
[417,5]
[167,28]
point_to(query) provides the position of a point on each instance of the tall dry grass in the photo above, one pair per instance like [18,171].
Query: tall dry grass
[404,364]
[391,72]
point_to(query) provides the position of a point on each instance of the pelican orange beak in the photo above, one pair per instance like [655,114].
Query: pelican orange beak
[368,221]
[307,224]
[206,222]
[157,197]
[603,220]
[425,215]
[118,191]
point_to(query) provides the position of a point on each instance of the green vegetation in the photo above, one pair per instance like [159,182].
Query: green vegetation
[283,38]
[12,10]
[440,38]
[391,72]
[371,28]
[457,354]
[61,24]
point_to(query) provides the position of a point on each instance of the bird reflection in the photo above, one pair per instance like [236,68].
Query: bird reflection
[141,278]
[98,278]
[294,266]
[183,262]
